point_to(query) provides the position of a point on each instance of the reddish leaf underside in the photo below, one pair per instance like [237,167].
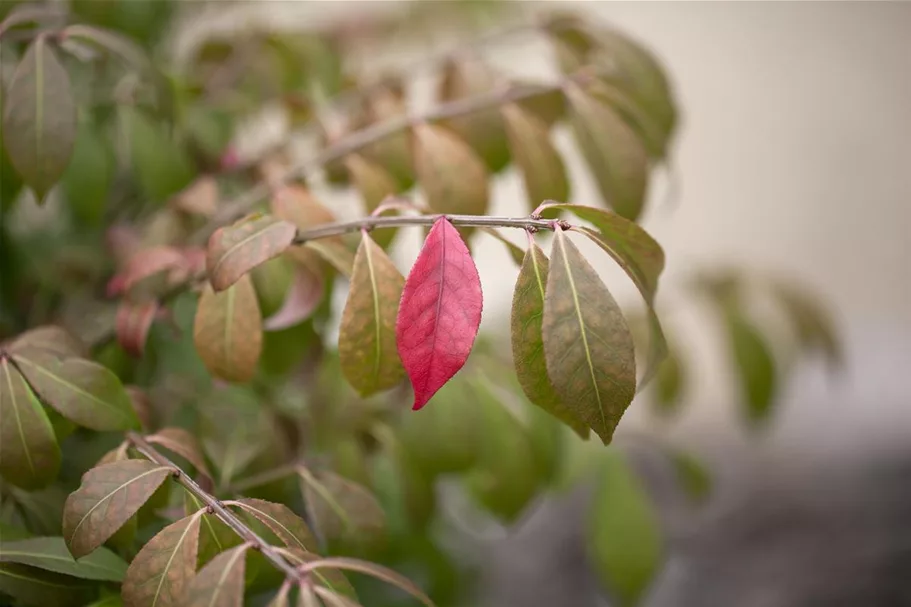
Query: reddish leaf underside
[439,313]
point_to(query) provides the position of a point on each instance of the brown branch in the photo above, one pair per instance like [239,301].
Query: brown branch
[215,506]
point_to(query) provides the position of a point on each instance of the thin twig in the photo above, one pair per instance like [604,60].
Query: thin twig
[216,507]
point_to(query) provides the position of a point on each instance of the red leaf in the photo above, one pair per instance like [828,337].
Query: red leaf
[133,323]
[439,313]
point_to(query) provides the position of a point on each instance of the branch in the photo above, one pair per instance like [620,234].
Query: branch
[216,507]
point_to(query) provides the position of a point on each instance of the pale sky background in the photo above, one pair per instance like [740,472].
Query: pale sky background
[794,156]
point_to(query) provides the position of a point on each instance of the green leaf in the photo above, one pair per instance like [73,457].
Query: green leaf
[588,348]
[536,157]
[214,536]
[812,323]
[754,366]
[228,331]
[108,496]
[528,342]
[625,537]
[615,155]
[653,135]
[88,177]
[82,391]
[161,165]
[33,587]
[235,250]
[160,574]
[342,510]
[453,178]
[51,554]
[669,382]
[375,184]
[335,252]
[287,526]
[221,582]
[29,453]
[39,118]
[366,343]
[693,475]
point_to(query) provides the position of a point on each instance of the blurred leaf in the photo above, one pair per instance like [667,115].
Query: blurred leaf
[814,327]
[51,554]
[542,167]
[342,510]
[133,323]
[453,178]
[303,298]
[483,130]
[333,251]
[37,588]
[367,342]
[147,272]
[235,250]
[227,331]
[42,510]
[89,176]
[29,453]
[588,348]
[108,496]
[669,383]
[515,251]
[374,570]
[221,582]
[625,537]
[39,119]
[160,163]
[615,155]
[160,573]
[406,492]
[184,444]
[693,475]
[51,339]
[754,366]
[285,524]
[199,198]
[375,184]
[528,343]
[652,134]
[393,153]
[81,390]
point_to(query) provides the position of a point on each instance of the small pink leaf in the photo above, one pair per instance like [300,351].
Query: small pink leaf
[439,313]
[133,323]
[302,300]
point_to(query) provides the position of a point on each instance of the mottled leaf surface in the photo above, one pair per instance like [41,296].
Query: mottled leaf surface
[108,496]
[39,118]
[81,390]
[439,313]
[227,331]
[588,348]
[453,178]
[367,342]
[51,554]
[221,582]
[624,534]
[235,250]
[541,166]
[29,453]
[528,342]
[160,573]
[615,155]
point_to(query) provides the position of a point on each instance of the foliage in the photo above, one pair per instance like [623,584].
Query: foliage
[178,424]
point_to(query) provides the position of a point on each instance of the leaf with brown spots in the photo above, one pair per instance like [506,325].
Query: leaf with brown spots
[235,250]
[228,332]
[221,582]
[160,574]
[29,453]
[588,348]
[536,157]
[108,496]
[366,342]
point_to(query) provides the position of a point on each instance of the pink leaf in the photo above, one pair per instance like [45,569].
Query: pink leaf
[302,300]
[439,313]
[133,324]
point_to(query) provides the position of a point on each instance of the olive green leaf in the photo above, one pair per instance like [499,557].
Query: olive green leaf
[515,251]
[694,477]
[528,343]
[51,554]
[336,252]
[33,587]
[333,579]
[221,582]
[453,178]
[588,348]
[754,366]
[184,444]
[482,130]
[108,496]
[392,152]
[39,118]
[669,383]
[536,157]
[366,343]
[160,163]
[287,526]
[88,177]
[50,339]
[614,153]
[624,534]
[29,453]
[228,331]
[235,250]
[375,184]
[384,574]
[160,573]
[812,323]
[81,390]
[295,204]
[340,509]
[653,135]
